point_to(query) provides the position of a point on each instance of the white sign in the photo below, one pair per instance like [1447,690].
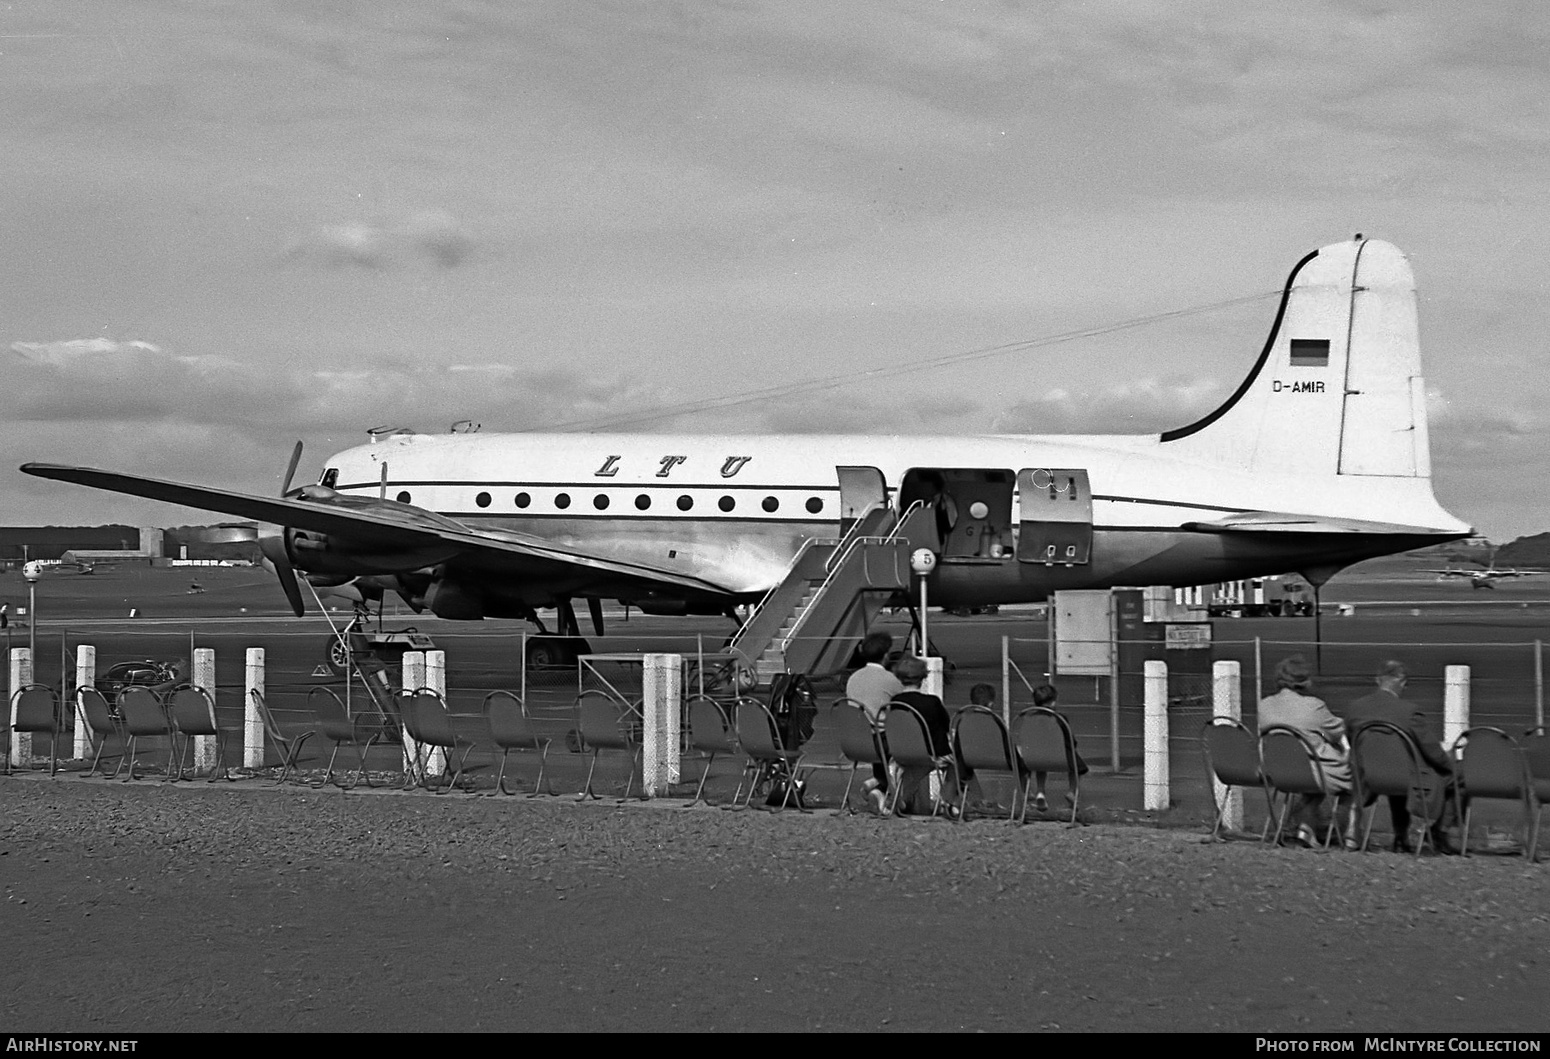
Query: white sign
[1194,636]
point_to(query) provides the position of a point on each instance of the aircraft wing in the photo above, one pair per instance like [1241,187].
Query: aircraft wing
[1282,522]
[375,524]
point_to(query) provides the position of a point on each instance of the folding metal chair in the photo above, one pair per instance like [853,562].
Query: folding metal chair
[604,725]
[429,724]
[104,724]
[1290,767]
[1492,764]
[193,714]
[909,747]
[982,744]
[145,717]
[710,734]
[512,729]
[1231,755]
[35,710]
[1385,761]
[767,757]
[289,749]
[341,729]
[1044,743]
[859,741]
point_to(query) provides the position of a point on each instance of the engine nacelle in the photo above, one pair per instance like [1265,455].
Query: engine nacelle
[454,601]
[328,554]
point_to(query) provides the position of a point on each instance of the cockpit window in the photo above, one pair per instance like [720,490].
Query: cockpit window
[330,478]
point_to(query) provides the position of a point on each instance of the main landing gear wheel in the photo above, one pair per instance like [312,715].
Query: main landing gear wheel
[555,652]
[336,656]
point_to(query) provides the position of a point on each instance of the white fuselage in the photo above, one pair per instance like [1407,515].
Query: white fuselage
[734,509]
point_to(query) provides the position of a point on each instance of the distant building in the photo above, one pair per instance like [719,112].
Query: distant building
[21,543]
[94,544]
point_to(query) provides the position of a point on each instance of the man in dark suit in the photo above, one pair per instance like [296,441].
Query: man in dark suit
[1385,704]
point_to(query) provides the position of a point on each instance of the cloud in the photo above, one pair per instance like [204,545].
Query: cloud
[428,237]
[77,349]
[1140,406]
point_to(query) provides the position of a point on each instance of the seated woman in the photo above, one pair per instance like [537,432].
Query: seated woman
[914,793]
[1293,707]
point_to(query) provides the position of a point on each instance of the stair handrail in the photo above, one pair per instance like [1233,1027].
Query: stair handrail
[847,542]
[809,543]
[836,565]
[899,525]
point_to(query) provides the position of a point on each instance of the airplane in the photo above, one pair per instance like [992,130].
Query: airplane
[1317,460]
[1483,578]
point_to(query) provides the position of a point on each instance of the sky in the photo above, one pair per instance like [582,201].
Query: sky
[229,226]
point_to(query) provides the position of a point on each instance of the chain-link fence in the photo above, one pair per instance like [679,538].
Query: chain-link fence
[1105,710]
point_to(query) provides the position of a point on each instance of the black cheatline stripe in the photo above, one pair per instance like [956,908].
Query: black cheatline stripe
[588,484]
[629,516]
[1264,355]
[1170,503]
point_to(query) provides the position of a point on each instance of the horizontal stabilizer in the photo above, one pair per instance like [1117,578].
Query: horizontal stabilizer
[1280,522]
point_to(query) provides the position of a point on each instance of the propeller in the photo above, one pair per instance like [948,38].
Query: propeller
[290,470]
[272,545]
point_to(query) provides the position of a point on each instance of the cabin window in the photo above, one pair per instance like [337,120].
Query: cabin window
[814,505]
[726,503]
[330,479]
[685,503]
[523,500]
[562,500]
[770,503]
[600,501]
[483,499]
[403,497]
[642,502]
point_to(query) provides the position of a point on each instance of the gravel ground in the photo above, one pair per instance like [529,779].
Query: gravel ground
[141,907]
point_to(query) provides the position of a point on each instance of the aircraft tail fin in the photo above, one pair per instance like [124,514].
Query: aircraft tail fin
[1337,389]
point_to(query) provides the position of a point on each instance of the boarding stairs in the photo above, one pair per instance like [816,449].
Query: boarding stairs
[812,619]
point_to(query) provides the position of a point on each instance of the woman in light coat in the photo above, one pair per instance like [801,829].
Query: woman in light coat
[1293,707]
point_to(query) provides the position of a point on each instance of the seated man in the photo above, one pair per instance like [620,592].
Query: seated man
[1044,695]
[1436,772]
[873,687]
[914,792]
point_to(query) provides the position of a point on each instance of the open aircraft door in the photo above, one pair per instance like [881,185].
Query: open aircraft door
[861,488]
[1055,517]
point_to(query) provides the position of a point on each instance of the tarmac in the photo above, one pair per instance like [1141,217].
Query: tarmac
[251,906]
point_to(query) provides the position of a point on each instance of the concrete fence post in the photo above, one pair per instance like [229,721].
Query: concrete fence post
[933,683]
[204,678]
[436,680]
[252,723]
[21,676]
[1155,736]
[413,680]
[1455,704]
[662,684]
[1227,701]
[85,677]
